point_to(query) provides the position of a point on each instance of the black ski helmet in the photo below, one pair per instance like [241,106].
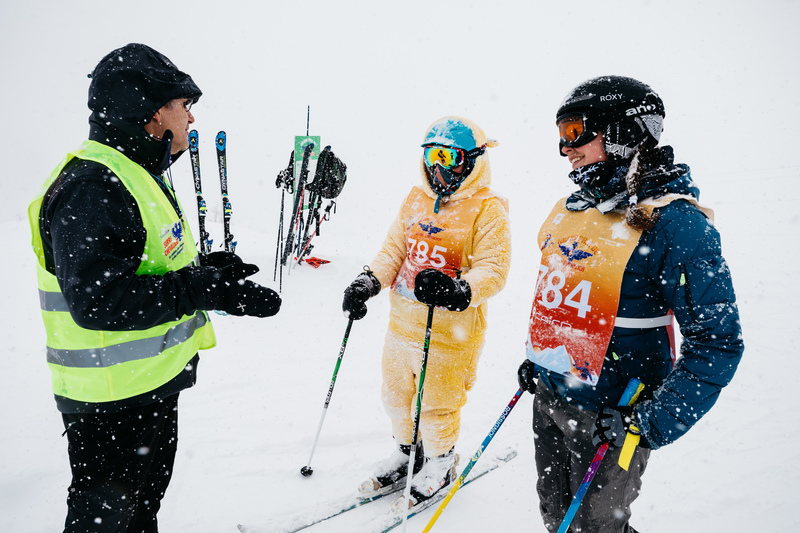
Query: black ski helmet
[627,111]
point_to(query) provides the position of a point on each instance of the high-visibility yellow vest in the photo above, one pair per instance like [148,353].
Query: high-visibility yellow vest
[101,366]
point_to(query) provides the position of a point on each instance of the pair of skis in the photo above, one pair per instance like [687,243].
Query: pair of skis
[202,208]
[382,523]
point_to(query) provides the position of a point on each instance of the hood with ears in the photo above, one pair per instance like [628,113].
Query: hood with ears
[459,132]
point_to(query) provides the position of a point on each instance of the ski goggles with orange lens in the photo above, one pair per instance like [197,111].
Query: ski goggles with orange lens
[573,131]
[446,156]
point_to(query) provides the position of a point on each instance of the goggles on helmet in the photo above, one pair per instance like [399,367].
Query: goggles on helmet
[573,131]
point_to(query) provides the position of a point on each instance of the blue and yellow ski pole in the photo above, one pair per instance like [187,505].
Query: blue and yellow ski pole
[629,396]
[474,460]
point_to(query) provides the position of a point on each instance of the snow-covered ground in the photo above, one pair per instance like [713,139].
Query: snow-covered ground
[375,76]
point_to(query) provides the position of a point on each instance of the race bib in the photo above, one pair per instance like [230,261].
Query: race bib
[584,254]
[435,240]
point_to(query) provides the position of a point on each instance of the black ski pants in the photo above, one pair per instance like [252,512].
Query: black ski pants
[121,467]
[564,452]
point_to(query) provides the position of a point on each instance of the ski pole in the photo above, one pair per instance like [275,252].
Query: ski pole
[319,219]
[474,459]
[297,210]
[285,182]
[278,246]
[417,413]
[306,470]
[629,396]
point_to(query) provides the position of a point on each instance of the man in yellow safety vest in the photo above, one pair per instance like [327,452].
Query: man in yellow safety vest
[123,292]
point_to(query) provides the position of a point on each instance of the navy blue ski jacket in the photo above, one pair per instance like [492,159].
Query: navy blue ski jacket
[678,266]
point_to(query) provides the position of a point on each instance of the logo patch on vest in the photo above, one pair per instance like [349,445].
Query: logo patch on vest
[573,253]
[430,229]
[435,240]
[172,240]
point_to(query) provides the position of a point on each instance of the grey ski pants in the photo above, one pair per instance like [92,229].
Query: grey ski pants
[564,451]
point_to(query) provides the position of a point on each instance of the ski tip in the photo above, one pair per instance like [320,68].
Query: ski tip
[507,455]
[501,456]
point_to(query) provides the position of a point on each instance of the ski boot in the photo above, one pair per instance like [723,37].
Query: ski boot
[390,474]
[437,473]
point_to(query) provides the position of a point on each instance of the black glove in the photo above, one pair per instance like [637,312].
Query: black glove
[220,259]
[611,426]
[433,287]
[228,290]
[251,299]
[365,286]
[526,376]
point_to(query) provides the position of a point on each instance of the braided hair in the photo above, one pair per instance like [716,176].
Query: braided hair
[637,217]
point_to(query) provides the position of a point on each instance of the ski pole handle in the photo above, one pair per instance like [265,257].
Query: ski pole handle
[474,459]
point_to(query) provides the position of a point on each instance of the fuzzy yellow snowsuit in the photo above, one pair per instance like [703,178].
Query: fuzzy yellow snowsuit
[480,219]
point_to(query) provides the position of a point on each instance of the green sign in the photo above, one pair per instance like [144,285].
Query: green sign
[300,143]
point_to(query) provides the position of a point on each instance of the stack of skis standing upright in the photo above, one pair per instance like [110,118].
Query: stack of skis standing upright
[307,212]
[294,239]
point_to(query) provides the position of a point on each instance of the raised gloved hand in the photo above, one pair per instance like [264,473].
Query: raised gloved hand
[433,287]
[611,426]
[226,288]
[526,376]
[364,287]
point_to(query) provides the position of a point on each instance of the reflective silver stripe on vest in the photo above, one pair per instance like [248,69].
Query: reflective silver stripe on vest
[643,323]
[126,351]
[52,301]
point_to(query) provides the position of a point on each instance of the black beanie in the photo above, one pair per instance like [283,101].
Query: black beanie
[133,82]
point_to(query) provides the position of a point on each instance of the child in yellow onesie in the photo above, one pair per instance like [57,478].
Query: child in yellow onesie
[449,247]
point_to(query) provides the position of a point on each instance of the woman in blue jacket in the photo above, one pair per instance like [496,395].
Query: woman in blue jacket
[622,258]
